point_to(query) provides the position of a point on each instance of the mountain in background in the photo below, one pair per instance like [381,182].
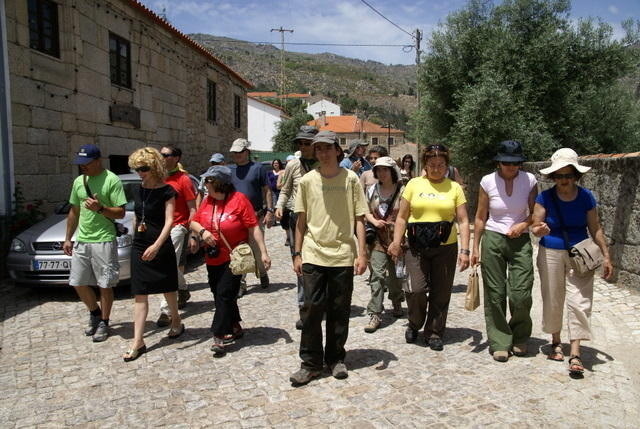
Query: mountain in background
[387,91]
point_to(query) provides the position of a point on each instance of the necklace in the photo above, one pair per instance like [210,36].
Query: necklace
[143,226]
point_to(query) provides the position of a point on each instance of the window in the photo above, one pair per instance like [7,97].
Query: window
[211,101]
[120,60]
[343,141]
[237,106]
[390,141]
[43,27]
[374,140]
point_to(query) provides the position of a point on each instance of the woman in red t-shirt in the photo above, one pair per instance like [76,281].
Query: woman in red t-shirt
[230,212]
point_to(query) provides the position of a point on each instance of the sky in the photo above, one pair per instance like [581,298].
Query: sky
[346,22]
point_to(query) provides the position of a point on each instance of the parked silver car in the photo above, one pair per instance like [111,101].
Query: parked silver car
[36,256]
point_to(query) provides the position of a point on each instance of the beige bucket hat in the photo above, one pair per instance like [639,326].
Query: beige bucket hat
[563,157]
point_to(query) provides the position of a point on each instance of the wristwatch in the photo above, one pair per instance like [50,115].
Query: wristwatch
[270,210]
[465,251]
[100,209]
[297,254]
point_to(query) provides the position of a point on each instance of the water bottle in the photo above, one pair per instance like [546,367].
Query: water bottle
[401,269]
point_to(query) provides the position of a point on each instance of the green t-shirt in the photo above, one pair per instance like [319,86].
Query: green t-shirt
[331,206]
[94,227]
[434,202]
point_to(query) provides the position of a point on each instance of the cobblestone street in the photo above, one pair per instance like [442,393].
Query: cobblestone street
[51,375]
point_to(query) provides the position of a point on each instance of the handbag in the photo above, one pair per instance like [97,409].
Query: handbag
[584,256]
[472,299]
[242,259]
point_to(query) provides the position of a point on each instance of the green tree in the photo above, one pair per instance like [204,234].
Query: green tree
[521,70]
[287,130]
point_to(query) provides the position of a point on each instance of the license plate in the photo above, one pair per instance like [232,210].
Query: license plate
[40,265]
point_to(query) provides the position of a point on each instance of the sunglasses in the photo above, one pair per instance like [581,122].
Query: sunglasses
[563,176]
[304,143]
[439,147]
[507,163]
[209,180]
[166,155]
[143,169]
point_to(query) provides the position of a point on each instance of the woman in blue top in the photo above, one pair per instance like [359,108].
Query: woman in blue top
[577,207]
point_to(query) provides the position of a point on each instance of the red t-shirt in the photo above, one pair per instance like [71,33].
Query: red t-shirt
[235,216]
[184,188]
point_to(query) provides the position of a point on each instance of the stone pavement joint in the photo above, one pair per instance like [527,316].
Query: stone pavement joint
[52,375]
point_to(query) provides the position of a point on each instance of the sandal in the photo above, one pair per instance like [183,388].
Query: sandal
[575,365]
[556,352]
[133,354]
[173,333]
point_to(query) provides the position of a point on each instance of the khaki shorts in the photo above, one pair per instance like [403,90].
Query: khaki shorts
[95,264]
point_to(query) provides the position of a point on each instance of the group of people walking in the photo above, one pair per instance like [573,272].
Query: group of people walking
[342,215]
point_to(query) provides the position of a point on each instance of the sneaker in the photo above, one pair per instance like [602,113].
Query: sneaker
[411,335]
[218,347]
[520,350]
[183,297]
[374,323]
[163,321]
[94,321]
[339,371]
[436,344]
[501,356]
[299,325]
[102,332]
[264,281]
[303,376]
[397,309]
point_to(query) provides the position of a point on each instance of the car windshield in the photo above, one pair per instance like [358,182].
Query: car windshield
[130,187]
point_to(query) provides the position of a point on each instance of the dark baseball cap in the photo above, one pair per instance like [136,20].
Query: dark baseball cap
[86,154]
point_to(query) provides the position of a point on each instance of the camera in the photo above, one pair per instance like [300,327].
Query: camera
[370,233]
[213,251]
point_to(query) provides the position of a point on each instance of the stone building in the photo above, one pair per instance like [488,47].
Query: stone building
[113,73]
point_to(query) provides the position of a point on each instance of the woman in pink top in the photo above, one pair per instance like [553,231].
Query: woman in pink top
[505,205]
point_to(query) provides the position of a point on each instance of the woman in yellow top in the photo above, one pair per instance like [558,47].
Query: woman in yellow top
[429,208]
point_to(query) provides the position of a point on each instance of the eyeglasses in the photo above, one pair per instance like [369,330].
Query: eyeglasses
[166,155]
[563,176]
[514,163]
[439,147]
[143,169]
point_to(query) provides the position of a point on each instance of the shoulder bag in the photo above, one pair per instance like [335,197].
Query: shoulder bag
[242,259]
[586,255]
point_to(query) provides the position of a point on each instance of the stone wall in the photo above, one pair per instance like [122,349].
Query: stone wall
[61,103]
[614,180]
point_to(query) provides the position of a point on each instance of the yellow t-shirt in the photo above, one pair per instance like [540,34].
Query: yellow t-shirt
[434,202]
[331,206]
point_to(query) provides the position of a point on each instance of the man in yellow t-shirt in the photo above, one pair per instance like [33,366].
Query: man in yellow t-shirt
[330,202]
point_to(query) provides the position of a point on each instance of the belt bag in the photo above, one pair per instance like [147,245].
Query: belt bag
[585,256]
[423,235]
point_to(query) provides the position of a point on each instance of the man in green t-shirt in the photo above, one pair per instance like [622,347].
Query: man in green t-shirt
[330,204]
[97,199]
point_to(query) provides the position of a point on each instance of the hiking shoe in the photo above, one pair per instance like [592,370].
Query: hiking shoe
[397,309]
[264,281]
[374,323]
[436,344]
[303,376]
[94,321]
[299,325]
[520,350]
[339,371]
[183,297]
[410,335]
[102,332]
[163,321]
[501,355]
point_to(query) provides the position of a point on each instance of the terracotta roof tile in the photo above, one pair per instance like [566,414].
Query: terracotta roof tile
[350,124]
[262,94]
[192,43]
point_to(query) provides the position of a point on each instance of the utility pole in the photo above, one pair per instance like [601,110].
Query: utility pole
[388,127]
[282,31]
[418,39]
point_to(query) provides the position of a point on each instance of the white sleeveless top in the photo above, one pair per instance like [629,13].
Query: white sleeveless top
[505,210]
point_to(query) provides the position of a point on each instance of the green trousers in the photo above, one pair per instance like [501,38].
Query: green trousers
[383,275]
[507,274]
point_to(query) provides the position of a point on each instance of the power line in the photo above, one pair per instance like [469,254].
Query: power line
[387,19]
[314,43]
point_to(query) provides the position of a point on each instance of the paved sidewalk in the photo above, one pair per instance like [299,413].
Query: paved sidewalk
[51,375]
